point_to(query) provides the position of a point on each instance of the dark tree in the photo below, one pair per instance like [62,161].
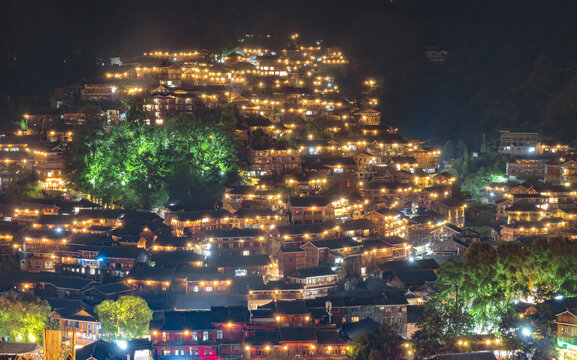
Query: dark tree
[383,343]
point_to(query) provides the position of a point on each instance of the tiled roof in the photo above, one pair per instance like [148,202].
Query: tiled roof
[338,243]
[312,272]
[14,348]
[156,273]
[187,320]
[309,201]
[265,337]
[234,233]
[239,261]
[225,314]
[305,228]
[301,333]
[123,252]
[355,329]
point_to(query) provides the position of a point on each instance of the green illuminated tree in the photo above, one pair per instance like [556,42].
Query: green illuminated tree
[141,166]
[552,268]
[445,318]
[483,289]
[23,316]
[479,294]
[126,318]
[513,272]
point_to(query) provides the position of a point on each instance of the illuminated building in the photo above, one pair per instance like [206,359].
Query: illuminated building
[237,241]
[519,143]
[310,210]
[451,209]
[273,160]
[217,333]
[567,334]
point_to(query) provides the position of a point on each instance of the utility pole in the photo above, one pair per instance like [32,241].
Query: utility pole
[329,308]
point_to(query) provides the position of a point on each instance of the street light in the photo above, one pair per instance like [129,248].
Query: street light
[526,331]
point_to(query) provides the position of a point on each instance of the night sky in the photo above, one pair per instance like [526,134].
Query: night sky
[493,44]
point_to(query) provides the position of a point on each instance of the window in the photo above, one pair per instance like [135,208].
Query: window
[195,289]
[194,336]
[205,335]
[246,253]
[355,319]
[219,334]
[208,289]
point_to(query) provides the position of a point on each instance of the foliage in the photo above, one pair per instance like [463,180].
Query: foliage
[139,166]
[541,343]
[8,265]
[61,97]
[135,107]
[474,173]
[440,326]
[478,295]
[552,268]
[23,316]
[444,318]
[383,343]
[126,318]
[316,131]
[9,112]
[23,185]
[222,116]
[478,214]
[286,140]
[258,138]
[330,188]
[483,289]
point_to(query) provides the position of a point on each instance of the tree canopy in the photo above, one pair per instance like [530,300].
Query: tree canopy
[380,344]
[477,295]
[141,166]
[23,184]
[23,317]
[126,318]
